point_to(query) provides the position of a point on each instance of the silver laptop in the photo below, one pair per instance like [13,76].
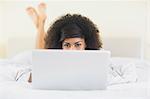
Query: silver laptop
[70,69]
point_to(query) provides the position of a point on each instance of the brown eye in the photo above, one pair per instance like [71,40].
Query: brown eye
[66,45]
[77,45]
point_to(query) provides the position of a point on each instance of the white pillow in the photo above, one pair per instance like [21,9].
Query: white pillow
[142,66]
[7,72]
[138,62]
[23,58]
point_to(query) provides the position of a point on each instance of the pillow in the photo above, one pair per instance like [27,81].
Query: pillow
[138,62]
[23,58]
[142,66]
[7,72]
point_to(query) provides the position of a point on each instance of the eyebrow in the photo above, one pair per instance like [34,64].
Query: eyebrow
[74,43]
[78,42]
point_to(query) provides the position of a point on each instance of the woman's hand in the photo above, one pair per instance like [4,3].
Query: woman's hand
[30,78]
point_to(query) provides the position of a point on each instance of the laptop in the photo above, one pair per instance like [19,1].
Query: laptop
[70,69]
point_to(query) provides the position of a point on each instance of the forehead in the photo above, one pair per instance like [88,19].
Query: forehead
[73,40]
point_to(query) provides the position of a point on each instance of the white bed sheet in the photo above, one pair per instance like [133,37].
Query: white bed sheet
[15,90]
[21,90]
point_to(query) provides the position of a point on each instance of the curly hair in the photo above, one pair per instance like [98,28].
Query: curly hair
[90,32]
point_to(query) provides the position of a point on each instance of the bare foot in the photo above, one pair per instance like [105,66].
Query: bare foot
[42,11]
[33,14]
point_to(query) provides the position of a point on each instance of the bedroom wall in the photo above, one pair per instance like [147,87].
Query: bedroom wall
[2,41]
[147,54]
[115,18]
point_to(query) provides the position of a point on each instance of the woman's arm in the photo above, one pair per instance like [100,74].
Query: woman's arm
[30,78]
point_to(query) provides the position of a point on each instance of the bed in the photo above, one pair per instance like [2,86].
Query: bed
[10,89]
[13,90]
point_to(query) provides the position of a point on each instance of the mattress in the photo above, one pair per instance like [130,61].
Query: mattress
[10,89]
[15,90]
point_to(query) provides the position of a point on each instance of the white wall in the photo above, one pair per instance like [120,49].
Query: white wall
[2,41]
[147,52]
[115,18]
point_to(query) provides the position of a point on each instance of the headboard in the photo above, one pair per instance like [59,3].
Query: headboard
[119,47]
[124,47]
[19,44]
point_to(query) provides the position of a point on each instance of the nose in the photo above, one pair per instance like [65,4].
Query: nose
[72,48]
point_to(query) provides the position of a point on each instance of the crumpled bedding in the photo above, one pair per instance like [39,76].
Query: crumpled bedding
[118,73]
[124,83]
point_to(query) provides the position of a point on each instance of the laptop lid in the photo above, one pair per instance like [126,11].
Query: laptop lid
[70,69]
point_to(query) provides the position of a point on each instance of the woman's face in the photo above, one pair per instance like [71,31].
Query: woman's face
[74,44]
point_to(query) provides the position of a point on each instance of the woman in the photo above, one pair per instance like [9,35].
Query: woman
[75,32]
[66,31]
[69,32]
